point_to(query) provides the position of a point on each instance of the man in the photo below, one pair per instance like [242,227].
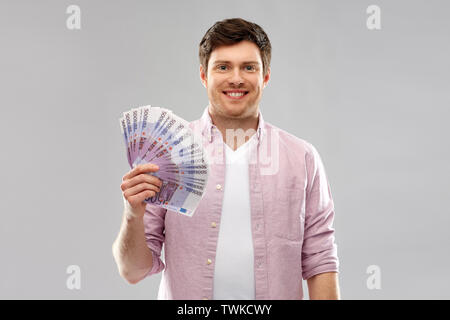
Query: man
[266,218]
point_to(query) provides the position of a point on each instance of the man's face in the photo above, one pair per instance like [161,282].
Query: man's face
[235,80]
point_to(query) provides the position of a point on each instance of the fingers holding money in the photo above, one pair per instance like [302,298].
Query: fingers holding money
[141,178]
[137,185]
[137,194]
[144,186]
[140,169]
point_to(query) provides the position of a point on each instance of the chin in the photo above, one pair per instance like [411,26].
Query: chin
[235,111]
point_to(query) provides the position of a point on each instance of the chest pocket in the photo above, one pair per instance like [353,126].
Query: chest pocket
[289,213]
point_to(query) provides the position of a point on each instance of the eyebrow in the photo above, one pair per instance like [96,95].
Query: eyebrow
[245,62]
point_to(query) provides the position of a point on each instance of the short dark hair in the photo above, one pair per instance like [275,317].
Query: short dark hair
[231,31]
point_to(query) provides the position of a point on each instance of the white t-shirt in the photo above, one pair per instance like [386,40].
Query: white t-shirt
[234,263]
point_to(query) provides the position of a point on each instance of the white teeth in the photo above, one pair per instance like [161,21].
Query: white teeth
[235,94]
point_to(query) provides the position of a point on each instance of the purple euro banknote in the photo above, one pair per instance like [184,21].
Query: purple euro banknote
[156,135]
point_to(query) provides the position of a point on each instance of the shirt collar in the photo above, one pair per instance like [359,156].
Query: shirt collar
[207,125]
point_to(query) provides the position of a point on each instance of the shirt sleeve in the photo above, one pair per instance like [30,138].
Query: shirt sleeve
[319,250]
[154,221]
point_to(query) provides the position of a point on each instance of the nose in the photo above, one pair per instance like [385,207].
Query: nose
[236,77]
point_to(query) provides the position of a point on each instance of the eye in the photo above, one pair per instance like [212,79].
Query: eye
[221,67]
[250,68]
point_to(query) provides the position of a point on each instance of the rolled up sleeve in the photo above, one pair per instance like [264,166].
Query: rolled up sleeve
[319,250]
[154,221]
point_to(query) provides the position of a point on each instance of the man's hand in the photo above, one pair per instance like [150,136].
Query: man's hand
[324,286]
[137,185]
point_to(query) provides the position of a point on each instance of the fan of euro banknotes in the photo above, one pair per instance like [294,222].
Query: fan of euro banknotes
[156,135]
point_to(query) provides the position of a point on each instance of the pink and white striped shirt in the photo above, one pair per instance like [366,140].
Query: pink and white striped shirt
[292,213]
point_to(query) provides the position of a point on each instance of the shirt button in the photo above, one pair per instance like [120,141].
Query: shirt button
[213,225]
[208,261]
[257,226]
[219,187]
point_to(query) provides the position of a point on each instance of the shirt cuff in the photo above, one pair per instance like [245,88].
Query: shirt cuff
[155,265]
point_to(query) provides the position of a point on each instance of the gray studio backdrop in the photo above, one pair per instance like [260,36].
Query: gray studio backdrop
[375,103]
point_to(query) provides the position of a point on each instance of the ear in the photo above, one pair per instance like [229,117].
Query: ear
[203,77]
[266,77]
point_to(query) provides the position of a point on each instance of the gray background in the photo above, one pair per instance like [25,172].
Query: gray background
[374,103]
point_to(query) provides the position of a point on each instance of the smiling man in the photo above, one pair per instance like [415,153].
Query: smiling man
[234,78]
[266,220]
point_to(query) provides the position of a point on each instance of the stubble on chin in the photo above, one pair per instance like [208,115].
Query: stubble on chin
[224,110]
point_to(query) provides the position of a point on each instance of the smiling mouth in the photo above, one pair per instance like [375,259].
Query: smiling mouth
[235,95]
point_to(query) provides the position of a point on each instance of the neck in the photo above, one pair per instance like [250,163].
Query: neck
[235,131]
